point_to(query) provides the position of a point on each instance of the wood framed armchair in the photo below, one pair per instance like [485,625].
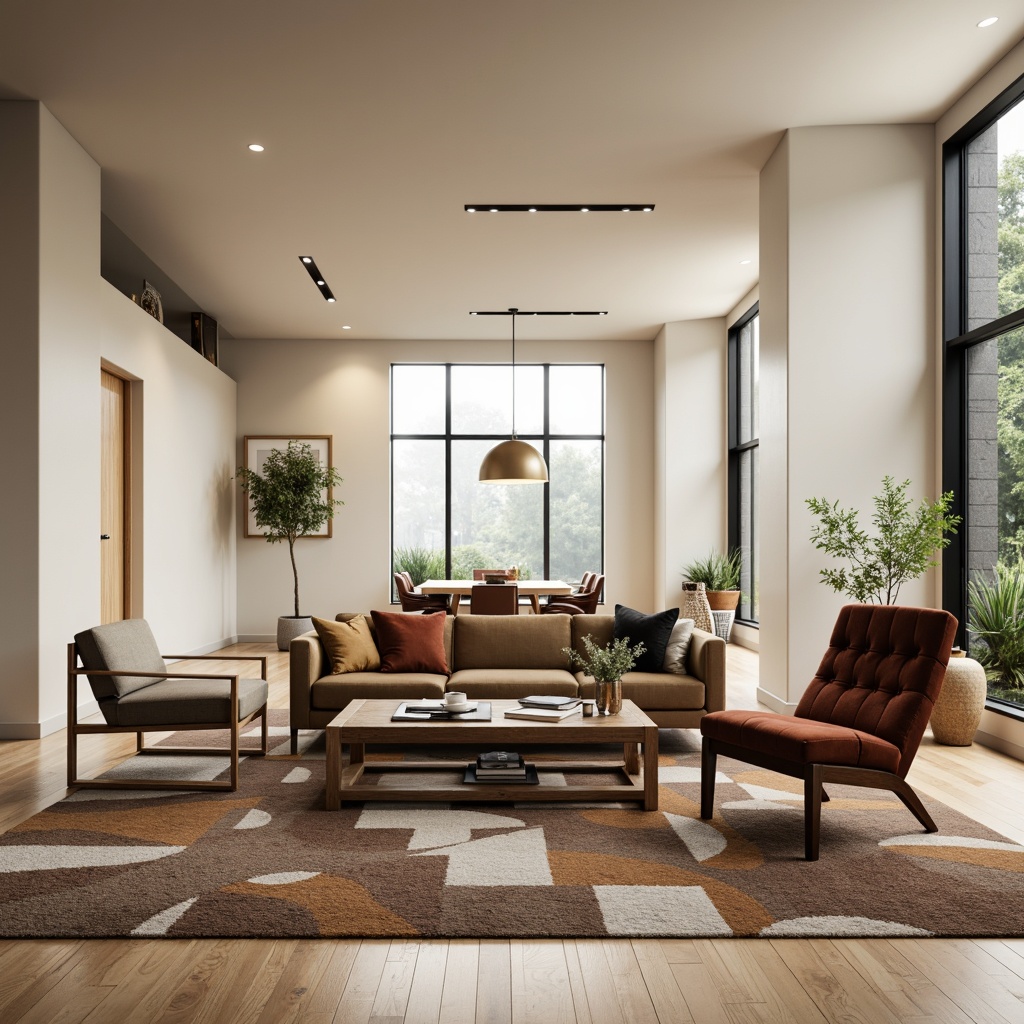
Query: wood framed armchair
[859,722]
[137,692]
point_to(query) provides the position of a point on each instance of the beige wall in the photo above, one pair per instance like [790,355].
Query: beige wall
[186,535]
[341,388]
[848,362]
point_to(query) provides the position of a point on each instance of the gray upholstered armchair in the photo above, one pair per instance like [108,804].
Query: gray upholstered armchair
[137,692]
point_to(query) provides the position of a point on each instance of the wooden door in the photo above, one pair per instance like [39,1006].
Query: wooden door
[114,494]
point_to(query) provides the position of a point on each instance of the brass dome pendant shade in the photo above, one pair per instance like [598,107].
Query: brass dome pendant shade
[513,461]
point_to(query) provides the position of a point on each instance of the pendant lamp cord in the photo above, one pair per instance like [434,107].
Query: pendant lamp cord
[513,310]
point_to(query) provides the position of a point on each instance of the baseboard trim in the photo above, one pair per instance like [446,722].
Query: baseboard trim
[37,730]
[1004,746]
[770,700]
[215,646]
[255,638]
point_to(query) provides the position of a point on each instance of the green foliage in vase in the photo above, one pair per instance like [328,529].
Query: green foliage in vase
[717,572]
[606,663]
[903,547]
[996,610]
[288,499]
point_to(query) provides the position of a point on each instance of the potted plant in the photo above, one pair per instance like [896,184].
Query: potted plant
[720,574]
[607,665]
[288,502]
[904,547]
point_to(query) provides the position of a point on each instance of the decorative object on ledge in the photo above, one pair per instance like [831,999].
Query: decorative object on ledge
[151,302]
[957,712]
[696,607]
[205,336]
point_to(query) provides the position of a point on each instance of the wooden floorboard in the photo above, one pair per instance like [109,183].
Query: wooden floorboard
[464,981]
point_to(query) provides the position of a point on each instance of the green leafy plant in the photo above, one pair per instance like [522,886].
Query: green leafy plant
[420,563]
[606,663]
[903,548]
[717,572]
[287,498]
[996,610]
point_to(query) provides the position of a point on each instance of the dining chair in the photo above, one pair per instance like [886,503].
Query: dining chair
[494,599]
[413,601]
[582,601]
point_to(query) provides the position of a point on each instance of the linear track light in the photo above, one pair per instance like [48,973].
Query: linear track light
[318,279]
[559,207]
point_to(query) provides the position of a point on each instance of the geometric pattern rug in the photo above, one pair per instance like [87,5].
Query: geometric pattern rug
[269,861]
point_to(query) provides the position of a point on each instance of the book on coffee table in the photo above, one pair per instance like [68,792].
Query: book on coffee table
[529,778]
[414,711]
[544,714]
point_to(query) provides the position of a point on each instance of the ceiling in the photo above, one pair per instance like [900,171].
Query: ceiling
[381,118]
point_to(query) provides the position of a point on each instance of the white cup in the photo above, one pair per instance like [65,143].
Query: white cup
[454,697]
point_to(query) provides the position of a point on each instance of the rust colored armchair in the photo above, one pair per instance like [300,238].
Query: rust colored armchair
[859,722]
[412,601]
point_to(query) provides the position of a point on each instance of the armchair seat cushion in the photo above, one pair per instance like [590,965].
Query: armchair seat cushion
[801,740]
[185,702]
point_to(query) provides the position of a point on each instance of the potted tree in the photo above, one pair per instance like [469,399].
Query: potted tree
[288,502]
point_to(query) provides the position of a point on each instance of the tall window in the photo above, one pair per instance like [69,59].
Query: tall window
[444,419]
[983,443]
[743,457]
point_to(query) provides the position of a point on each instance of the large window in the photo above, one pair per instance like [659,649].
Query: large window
[444,419]
[983,444]
[743,458]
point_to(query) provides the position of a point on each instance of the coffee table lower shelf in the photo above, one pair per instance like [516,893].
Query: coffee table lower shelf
[368,722]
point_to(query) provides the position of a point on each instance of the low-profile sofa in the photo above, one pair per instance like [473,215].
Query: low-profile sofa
[509,656]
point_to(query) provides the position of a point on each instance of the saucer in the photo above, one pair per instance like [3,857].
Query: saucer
[456,709]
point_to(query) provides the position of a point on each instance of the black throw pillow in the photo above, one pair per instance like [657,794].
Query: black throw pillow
[653,631]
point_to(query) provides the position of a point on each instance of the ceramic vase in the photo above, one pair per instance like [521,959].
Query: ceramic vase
[696,607]
[609,696]
[957,712]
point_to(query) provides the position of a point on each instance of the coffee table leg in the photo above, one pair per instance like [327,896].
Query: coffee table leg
[631,756]
[333,769]
[651,769]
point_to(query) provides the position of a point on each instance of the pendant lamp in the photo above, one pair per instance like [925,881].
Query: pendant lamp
[513,461]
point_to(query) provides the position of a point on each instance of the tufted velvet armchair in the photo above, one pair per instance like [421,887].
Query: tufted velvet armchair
[860,720]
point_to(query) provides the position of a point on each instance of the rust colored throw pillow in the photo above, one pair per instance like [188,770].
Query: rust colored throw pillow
[349,645]
[411,643]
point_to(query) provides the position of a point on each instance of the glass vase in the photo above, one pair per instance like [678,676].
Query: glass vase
[609,696]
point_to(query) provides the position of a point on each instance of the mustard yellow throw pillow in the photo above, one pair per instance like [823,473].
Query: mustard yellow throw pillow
[349,645]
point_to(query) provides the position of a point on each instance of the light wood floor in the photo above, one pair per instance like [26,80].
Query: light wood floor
[732,981]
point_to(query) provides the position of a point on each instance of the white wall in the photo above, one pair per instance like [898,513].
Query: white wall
[341,388]
[187,438]
[848,362]
[691,370]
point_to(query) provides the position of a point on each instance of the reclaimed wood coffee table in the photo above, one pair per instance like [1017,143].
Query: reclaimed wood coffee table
[366,722]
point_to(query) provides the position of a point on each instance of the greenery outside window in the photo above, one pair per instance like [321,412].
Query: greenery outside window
[983,431]
[444,419]
[743,458]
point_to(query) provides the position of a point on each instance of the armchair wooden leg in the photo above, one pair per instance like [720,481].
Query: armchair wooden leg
[708,770]
[812,810]
[72,715]
[264,732]
[295,741]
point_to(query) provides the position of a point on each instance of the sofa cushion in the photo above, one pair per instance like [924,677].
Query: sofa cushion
[349,645]
[448,630]
[801,740]
[411,643]
[479,683]
[512,641]
[678,647]
[600,629]
[653,631]
[336,691]
[656,691]
[189,702]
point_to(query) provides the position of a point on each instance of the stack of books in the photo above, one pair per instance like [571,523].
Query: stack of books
[501,766]
[546,709]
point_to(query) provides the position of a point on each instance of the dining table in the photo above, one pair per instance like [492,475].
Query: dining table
[533,589]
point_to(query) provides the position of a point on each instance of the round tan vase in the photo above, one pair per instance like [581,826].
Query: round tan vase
[957,712]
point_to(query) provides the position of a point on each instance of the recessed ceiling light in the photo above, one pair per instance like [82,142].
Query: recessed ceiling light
[470,209]
[346,327]
[255,147]
[584,209]
[743,263]
[494,209]
[307,259]
[533,209]
[985,22]
[331,298]
[647,209]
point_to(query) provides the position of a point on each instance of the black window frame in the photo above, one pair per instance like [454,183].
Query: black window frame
[957,339]
[540,440]
[736,491]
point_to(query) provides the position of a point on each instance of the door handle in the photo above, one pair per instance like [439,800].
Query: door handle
[104,536]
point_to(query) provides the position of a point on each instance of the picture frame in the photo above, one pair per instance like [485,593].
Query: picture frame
[255,450]
[206,337]
[152,302]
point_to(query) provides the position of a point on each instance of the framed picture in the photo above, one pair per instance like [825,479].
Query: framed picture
[151,301]
[205,336]
[256,451]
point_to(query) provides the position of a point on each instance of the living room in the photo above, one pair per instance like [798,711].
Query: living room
[851,350]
